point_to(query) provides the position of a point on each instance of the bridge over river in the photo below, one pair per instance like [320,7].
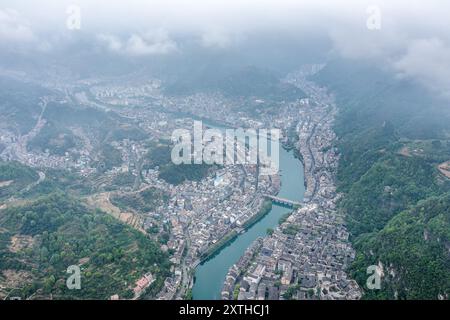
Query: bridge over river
[210,275]
[283,201]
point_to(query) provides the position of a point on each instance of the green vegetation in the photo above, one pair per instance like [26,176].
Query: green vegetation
[413,248]
[289,294]
[14,177]
[391,185]
[265,209]
[219,245]
[100,127]
[432,150]
[59,181]
[392,135]
[157,155]
[53,138]
[236,291]
[124,179]
[160,156]
[177,174]
[284,217]
[60,232]
[109,158]
[20,181]
[188,295]
[291,230]
[128,132]
[19,104]
[141,202]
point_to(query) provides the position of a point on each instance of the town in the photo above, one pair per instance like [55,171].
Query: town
[304,258]
[307,255]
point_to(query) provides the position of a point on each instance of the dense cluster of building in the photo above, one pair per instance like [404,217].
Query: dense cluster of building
[307,256]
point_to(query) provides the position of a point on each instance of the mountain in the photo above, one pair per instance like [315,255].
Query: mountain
[414,248]
[392,137]
[241,82]
[41,239]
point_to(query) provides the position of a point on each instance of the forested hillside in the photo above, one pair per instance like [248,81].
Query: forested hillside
[392,136]
[14,177]
[414,249]
[40,240]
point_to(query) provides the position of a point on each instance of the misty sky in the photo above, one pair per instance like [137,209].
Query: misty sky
[413,39]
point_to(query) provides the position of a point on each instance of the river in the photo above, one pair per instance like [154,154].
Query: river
[210,276]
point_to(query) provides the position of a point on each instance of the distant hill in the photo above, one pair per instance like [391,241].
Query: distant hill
[15,177]
[244,82]
[61,119]
[19,105]
[369,96]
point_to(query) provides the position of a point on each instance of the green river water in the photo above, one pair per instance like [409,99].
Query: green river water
[210,276]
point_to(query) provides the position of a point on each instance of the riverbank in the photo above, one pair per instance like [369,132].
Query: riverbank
[265,209]
[210,275]
[306,257]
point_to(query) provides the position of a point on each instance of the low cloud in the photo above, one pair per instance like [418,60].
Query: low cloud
[217,38]
[111,42]
[413,39]
[427,61]
[151,43]
[14,28]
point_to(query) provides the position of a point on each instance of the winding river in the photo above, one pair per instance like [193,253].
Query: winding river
[210,276]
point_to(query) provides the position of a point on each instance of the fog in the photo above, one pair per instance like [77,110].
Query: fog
[410,38]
